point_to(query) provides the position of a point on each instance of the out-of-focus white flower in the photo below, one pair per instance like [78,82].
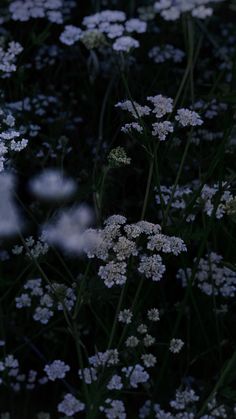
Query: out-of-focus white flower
[69,230]
[10,221]
[51,184]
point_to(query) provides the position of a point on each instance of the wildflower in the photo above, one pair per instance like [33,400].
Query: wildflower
[93,38]
[115,383]
[113,273]
[113,409]
[132,342]
[70,35]
[57,369]
[202,12]
[149,360]
[142,328]
[134,108]
[124,248]
[135,25]
[42,315]
[166,52]
[52,185]
[162,129]
[176,345]
[125,316]
[188,118]
[70,405]
[136,375]
[127,128]
[162,105]
[23,301]
[152,267]
[125,44]
[10,221]
[109,357]
[118,157]
[148,340]
[68,229]
[153,315]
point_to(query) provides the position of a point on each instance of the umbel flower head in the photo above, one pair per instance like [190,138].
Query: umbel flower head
[118,157]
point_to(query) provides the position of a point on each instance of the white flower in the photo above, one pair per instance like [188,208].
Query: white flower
[202,12]
[113,273]
[125,44]
[70,35]
[136,375]
[124,248]
[152,267]
[57,369]
[115,383]
[42,315]
[149,360]
[114,409]
[188,118]
[162,129]
[132,342]
[162,105]
[70,405]
[153,315]
[69,229]
[134,108]
[148,340]
[125,316]
[135,25]
[51,184]
[176,345]
[142,328]
[23,301]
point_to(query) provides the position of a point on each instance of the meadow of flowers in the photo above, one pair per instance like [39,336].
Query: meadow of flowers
[117,209]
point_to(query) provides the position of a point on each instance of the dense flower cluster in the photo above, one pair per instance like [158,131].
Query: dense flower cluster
[212,277]
[53,10]
[108,26]
[113,113]
[212,199]
[117,242]
[161,107]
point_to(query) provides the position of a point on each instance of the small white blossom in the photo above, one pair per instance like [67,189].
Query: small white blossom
[176,345]
[125,316]
[70,405]
[57,369]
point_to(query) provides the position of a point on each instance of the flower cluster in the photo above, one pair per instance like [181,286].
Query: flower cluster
[11,139]
[118,242]
[106,27]
[161,107]
[167,52]
[57,369]
[185,405]
[8,58]
[46,299]
[211,277]
[213,200]
[52,10]
[172,9]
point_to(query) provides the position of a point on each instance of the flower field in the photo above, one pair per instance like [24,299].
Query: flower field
[117,209]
